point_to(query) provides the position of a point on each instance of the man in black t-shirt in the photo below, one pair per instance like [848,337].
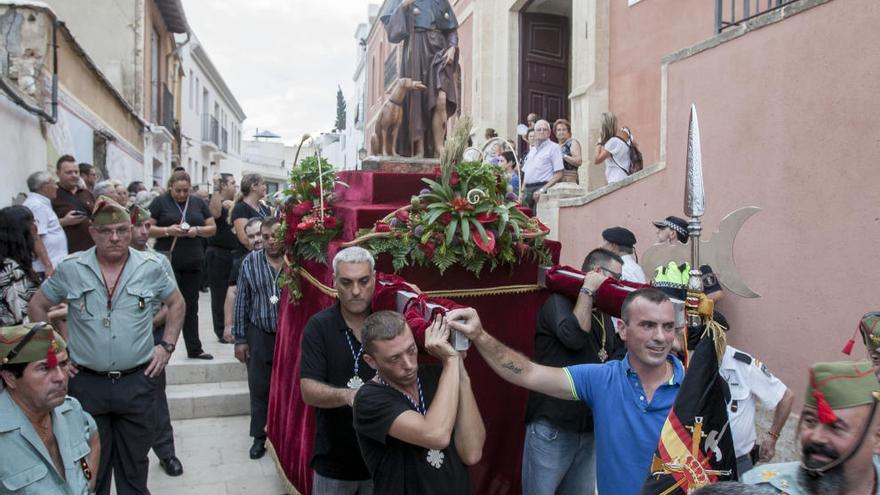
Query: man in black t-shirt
[559,452]
[418,428]
[332,368]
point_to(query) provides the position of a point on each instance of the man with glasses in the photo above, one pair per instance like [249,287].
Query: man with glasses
[559,453]
[255,325]
[112,292]
[543,167]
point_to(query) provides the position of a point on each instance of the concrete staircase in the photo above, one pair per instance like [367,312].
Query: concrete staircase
[207,389]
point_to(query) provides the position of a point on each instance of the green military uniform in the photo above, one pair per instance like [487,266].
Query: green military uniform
[112,343]
[784,477]
[832,386]
[121,337]
[25,463]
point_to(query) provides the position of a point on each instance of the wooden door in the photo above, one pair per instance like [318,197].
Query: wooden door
[544,57]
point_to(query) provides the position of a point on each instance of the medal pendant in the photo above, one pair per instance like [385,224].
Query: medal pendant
[355,382]
[184,226]
[273,299]
[603,355]
[107,321]
[435,458]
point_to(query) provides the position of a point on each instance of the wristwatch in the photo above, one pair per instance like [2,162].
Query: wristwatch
[586,291]
[169,348]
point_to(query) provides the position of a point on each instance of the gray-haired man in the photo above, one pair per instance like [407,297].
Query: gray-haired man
[50,242]
[332,369]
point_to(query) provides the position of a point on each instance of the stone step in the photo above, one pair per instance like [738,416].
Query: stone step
[208,400]
[219,370]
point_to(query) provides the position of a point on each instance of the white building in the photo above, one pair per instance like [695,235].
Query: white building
[211,119]
[272,160]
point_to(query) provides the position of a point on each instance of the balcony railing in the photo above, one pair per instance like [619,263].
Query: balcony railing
[223,141]
[729,13]
[167,109]
[210,130]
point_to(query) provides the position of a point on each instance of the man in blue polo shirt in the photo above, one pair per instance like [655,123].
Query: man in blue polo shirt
[630,399]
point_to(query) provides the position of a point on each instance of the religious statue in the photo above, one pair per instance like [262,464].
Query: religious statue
[429,32]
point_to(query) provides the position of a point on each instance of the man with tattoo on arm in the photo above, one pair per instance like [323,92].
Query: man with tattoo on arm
[630,399]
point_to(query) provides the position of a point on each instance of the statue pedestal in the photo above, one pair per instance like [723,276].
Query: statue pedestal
[400,164]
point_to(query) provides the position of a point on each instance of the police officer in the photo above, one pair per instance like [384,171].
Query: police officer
[48,444]
[163,445]
[837,433]
[751,383]
[112,292]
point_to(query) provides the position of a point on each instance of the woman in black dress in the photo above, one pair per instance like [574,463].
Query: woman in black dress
[181,219]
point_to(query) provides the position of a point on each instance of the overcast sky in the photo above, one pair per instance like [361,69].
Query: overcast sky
[282,59]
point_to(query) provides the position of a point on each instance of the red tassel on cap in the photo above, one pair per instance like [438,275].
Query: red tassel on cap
[823,408]
[847,349]
[51,357]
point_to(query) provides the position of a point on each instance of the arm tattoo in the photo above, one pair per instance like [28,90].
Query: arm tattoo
[510,365]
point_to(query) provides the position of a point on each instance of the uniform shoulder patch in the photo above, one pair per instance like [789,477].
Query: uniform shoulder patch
[763,367]
[743,357]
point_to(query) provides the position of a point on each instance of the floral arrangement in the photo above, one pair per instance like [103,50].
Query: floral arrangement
[308,224]
[467,216]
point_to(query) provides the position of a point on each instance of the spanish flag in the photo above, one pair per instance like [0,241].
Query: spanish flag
[696,446]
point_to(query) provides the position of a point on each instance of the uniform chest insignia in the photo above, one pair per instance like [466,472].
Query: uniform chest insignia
[768,474]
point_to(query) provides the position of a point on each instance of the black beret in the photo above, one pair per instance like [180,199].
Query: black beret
[619,236]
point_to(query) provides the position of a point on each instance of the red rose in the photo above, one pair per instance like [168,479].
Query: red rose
[445,218]
[428,248]
[402,216]
[382,227]
[303,208]
[487,217]
[303,226]
[454,179]
[329,222]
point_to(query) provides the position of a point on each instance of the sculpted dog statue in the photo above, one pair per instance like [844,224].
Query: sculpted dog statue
[386,122]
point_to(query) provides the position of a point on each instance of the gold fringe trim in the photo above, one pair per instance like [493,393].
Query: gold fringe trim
[449,294]
[291,490]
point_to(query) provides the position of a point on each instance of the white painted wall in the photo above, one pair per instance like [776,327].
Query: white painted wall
[197,152]
[22,150]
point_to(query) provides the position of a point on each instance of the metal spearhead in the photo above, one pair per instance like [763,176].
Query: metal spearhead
[694,194]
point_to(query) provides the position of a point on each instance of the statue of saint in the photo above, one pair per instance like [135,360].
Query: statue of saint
[429,32]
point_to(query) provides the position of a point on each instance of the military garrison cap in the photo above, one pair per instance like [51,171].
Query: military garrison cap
[841,385]
[139,214]
[30,342]
[869,327]
[109,212]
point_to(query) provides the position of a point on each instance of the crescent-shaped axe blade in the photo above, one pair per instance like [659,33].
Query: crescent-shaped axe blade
[716,252]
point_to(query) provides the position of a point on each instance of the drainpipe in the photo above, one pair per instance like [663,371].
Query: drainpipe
[18,100]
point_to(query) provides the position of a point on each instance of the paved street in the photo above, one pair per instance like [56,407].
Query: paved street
[214,450]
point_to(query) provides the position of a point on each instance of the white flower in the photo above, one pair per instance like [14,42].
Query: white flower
[435,458]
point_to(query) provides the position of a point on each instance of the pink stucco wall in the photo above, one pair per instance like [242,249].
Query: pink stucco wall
[378,49]
[640,36]
[789,121]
